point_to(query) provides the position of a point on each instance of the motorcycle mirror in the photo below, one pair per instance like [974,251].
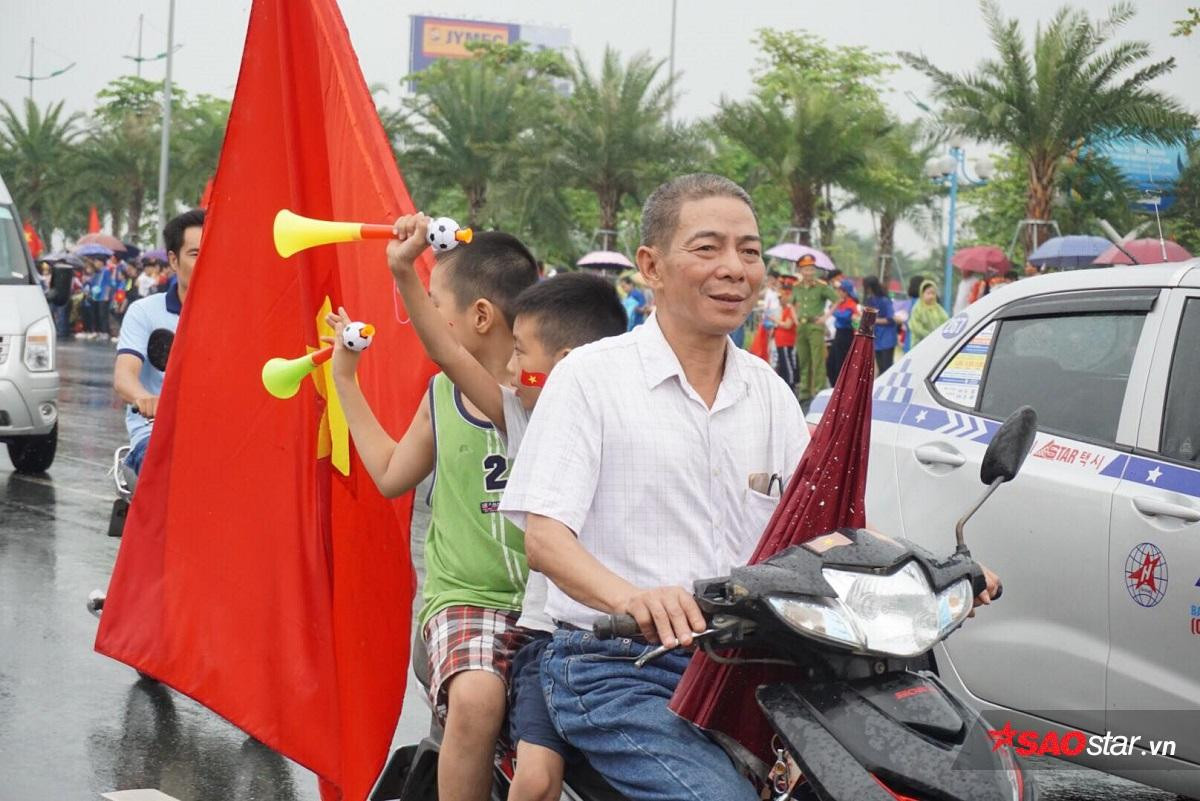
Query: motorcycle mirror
[158,348]
[1011,444]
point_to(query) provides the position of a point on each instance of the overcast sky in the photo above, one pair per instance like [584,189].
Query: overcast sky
[714,51]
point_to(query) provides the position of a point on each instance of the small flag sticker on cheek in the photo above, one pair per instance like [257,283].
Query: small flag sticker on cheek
[529,379]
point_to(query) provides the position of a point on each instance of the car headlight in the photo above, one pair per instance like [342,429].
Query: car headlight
[893,615]
[39,346]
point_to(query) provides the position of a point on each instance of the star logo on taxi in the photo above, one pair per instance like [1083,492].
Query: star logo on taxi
[1143,576]
[1152,476]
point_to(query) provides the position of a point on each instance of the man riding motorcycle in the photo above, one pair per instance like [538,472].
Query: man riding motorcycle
[149,325]
[622,524]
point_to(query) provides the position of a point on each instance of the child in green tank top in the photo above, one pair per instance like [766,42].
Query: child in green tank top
[475,566]
[549,319]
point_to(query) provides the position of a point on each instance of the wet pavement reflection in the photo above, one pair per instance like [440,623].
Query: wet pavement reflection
[74,724]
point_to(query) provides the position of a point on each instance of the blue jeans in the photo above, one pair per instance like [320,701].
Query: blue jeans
[137,454]
[617,715]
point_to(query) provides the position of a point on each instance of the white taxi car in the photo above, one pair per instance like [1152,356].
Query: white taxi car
[1098,539]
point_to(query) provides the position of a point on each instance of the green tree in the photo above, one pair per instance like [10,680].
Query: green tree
[805,138]
[469,119]
[120,156]
[1182,220]
[814,115]
[613,138]
[35,149]
[1086,189]
[1185,26]
[197,135]
[892,185]
[1073,86]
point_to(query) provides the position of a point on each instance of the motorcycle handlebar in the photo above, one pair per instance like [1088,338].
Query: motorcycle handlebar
[610,627]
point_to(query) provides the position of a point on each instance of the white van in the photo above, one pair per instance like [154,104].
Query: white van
[28,379]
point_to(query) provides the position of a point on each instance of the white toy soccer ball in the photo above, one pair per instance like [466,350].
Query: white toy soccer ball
[445,235]
[358,336]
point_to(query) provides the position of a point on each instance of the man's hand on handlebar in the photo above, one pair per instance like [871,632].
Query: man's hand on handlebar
[147,406]
[994,588]
[665,614]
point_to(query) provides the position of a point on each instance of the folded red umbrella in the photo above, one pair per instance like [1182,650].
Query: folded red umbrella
[826,492]
[982,259]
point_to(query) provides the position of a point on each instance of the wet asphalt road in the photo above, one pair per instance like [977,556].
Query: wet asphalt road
[74,724]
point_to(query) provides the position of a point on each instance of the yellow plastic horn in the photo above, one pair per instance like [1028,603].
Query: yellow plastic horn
[283,377]
[294,233]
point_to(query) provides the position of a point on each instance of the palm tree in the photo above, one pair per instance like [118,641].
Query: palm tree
[35,148]
[891,184]
[467,116]
[1073,87]
[614,138]
[805,136]
[198,133]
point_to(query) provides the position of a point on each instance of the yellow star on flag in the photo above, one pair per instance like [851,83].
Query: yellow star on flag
[333,435]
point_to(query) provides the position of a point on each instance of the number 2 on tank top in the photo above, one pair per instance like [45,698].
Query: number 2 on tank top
[494,467]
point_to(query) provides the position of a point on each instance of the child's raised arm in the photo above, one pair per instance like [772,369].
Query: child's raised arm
[395,467]
[463,370]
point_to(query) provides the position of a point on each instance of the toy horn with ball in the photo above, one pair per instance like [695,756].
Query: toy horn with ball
[283,377]
[294,233]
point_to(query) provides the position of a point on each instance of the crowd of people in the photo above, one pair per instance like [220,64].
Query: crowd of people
[89,291]
[805,320]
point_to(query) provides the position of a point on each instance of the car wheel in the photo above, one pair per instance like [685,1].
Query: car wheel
[33,454]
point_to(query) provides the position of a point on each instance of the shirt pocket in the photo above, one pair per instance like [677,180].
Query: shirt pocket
[758,509]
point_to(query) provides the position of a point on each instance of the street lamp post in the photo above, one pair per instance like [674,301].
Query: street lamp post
[165,145]
[949,170]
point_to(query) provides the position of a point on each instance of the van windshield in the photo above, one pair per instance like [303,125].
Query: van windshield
[14,266]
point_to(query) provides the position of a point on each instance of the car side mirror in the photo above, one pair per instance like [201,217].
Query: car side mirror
[1011,444]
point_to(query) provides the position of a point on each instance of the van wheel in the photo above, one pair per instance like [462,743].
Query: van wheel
[33,454]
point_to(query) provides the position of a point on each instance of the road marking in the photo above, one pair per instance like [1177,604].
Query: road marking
[81,460]
[138,795]
[62,487]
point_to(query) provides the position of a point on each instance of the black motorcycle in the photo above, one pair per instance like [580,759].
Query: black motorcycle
[856,614]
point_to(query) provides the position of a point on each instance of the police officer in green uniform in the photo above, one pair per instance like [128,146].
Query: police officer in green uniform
[808,299]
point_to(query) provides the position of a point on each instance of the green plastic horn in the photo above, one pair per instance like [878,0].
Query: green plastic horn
[283,377]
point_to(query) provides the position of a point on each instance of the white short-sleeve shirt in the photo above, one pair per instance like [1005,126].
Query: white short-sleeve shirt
[655,484]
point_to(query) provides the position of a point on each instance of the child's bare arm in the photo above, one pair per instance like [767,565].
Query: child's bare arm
[463,370]
[395,467]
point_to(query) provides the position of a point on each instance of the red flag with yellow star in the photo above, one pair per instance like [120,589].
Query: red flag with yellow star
[261,571]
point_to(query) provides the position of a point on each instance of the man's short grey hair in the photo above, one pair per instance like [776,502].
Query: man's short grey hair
[660,215]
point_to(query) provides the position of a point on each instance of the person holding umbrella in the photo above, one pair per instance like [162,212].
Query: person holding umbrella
[810,298]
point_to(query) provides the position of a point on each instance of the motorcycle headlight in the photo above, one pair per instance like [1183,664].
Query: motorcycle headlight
[892,615]
[39,346]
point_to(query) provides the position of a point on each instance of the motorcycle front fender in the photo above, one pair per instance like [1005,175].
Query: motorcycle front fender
[904,730]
